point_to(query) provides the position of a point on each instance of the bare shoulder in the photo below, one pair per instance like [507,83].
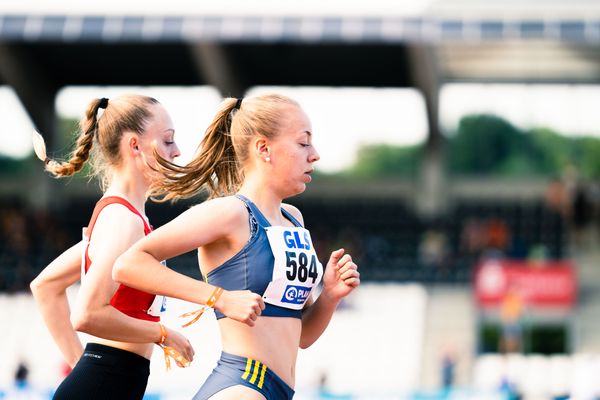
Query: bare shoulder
[117,218]
[228,209]
[116,229]
[294,211]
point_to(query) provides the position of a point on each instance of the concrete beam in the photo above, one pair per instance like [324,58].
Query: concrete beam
[37,94]
[425,73]
[215,68]
[33,87]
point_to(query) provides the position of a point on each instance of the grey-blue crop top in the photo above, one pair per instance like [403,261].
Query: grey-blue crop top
[252,267]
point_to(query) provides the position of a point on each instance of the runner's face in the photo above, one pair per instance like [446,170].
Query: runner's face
[292,153]
[160,135]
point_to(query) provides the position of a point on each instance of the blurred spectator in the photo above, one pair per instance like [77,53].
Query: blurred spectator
[324,393]
[538,253]
[509,389]
[433,249]
[511,311]
[473,237]
[497,234]
[22,389]
[556,197]
[448,368]
[386,239]
[581,214]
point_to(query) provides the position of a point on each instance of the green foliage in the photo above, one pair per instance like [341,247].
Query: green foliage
[487,145]
[482,144]
[382,160]
[17,167]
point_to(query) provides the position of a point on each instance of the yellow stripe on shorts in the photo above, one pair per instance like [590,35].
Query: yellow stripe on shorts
[262,377]
[247,371]
[255,373]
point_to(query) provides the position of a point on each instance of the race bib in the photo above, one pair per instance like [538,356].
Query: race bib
[159,305]
[296,270]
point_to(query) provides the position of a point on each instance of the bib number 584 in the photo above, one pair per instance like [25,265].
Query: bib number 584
[298,265]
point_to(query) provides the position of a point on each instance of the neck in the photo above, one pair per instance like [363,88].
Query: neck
[132,187]
[266,199]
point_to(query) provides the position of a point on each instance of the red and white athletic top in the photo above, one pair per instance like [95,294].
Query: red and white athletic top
[130,301]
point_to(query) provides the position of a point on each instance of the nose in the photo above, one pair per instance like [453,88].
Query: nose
[314,156]
[176,152]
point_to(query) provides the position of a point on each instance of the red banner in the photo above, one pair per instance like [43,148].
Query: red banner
[544,284]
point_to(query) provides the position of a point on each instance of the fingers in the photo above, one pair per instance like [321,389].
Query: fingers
[348,271]
[347,258]
[189,351]
[183,347]
[352,282]
[346,264]
[335,256]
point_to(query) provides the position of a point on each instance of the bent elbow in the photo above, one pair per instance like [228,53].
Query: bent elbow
[38,287]
[305,344]
[81,321]
[119,271]
[34,286]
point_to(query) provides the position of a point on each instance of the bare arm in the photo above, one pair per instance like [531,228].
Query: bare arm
[115,230]
[49,292]
[340,278]
[140,266]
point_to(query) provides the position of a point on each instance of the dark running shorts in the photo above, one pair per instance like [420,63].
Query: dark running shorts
[105,372]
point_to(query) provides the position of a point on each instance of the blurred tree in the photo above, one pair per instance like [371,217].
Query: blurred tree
[487,145]
[16,166]
[589,161]
[383,160]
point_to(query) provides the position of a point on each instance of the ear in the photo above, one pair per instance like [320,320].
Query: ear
[261,147]
[133,144]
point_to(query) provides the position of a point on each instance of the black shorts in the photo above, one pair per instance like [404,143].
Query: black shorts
[105,372]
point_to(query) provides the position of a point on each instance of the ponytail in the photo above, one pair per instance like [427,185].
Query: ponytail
[217,166]
[82,149]
[214,168]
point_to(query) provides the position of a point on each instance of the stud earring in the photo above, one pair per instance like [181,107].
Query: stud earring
[268,159]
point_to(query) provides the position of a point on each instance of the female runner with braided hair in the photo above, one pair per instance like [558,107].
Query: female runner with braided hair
[256,153]
[125,321]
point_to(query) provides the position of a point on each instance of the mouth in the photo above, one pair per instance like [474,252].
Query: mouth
[307,175]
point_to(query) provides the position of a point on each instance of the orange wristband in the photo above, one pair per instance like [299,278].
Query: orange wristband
[169,351]
[163,334]
[214,297]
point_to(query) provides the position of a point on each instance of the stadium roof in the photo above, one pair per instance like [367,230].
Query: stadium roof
[238,44]
[305,21]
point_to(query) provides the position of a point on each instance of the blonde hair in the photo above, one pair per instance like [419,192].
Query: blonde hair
[217,166]
[99,137]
